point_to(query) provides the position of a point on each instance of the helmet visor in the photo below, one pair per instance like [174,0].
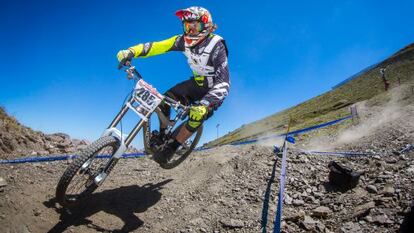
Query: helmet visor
[193,28]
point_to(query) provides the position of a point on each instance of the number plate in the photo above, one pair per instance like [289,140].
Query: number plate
[147,96]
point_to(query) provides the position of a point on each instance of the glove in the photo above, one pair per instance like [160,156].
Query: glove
[125,55]
[197,113]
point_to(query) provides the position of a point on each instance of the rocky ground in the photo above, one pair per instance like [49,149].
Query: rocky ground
[17,140]
[224,189]
[218,190]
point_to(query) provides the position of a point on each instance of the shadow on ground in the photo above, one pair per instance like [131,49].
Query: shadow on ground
[265,208]
[407,225]
[122,202]
[331,188]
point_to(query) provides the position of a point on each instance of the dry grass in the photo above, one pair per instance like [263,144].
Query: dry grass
[9,123]
[331,105]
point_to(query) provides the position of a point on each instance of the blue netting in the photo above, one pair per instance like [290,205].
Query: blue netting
[62,157]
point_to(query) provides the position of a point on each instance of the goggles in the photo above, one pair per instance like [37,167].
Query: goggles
[193,27]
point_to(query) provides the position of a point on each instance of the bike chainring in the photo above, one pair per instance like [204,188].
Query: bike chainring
[158,141]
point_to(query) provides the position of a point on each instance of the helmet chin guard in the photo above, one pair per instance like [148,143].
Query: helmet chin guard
[195,16]
[191,41]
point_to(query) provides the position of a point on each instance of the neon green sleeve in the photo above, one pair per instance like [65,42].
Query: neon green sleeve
[155,48]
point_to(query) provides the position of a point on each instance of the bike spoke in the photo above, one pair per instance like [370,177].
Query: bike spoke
[78,184]
[185,146]
[84,179]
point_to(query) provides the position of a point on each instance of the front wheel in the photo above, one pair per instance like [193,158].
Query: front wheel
[80,178]
[182,152]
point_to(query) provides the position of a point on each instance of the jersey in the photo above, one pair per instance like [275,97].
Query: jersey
[208,60]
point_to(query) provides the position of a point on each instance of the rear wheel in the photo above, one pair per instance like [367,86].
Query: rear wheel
[80,178]
[182,152]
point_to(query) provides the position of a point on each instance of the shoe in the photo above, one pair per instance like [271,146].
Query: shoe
[167,153]
[156,139]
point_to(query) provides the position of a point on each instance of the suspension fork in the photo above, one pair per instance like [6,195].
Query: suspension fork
[137,127]
[124,144]
[111,130]
[119,117]
[121,113]
[135,130]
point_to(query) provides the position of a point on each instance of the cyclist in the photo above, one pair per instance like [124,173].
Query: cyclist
[207,56]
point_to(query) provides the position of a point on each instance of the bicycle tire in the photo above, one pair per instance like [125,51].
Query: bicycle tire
[88,153]
[174,163]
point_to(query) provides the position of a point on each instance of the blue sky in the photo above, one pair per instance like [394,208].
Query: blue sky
[58,58]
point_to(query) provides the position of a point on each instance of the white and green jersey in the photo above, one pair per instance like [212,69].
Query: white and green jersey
[207,60]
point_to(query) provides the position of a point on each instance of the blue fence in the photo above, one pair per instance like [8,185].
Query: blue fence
[279,210]
[62,157]
[340,153]
[135,155]
[293,133]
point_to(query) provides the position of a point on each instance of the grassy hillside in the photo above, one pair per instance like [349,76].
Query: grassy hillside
[332,104]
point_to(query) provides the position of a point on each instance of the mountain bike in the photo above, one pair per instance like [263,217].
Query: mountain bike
[88,170]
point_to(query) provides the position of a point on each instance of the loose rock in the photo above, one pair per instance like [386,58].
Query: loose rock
[382,219]
[388,190]
[308,223]
[321,211]
[298,202]
[232,223]
[372,189]
[351,227]
[363,210]
[3,182]
[296,216]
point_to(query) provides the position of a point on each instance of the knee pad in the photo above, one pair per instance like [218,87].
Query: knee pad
[192,126]
[197,116]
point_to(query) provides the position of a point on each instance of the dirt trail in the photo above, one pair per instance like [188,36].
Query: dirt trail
[223,190]
[220,190]
[137,196]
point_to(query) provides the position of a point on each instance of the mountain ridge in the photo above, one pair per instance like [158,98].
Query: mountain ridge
[17,140]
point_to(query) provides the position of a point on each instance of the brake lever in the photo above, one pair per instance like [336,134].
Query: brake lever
[132,72]
[124,62]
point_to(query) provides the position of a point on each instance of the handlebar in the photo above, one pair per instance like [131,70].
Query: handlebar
[132,72]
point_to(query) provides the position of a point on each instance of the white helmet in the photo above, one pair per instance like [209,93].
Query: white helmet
[197,24]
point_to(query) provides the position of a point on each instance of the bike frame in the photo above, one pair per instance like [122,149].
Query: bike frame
[132,104]
[181,110]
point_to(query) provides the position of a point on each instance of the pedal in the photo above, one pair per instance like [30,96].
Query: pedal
[158,141]
[155,138]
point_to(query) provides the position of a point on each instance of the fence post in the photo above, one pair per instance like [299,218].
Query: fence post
[384,79]
[354,113]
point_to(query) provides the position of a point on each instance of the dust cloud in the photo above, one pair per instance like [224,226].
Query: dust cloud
[393,108]
[372,118]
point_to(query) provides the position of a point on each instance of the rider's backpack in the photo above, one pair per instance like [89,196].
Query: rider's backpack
[343,177]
